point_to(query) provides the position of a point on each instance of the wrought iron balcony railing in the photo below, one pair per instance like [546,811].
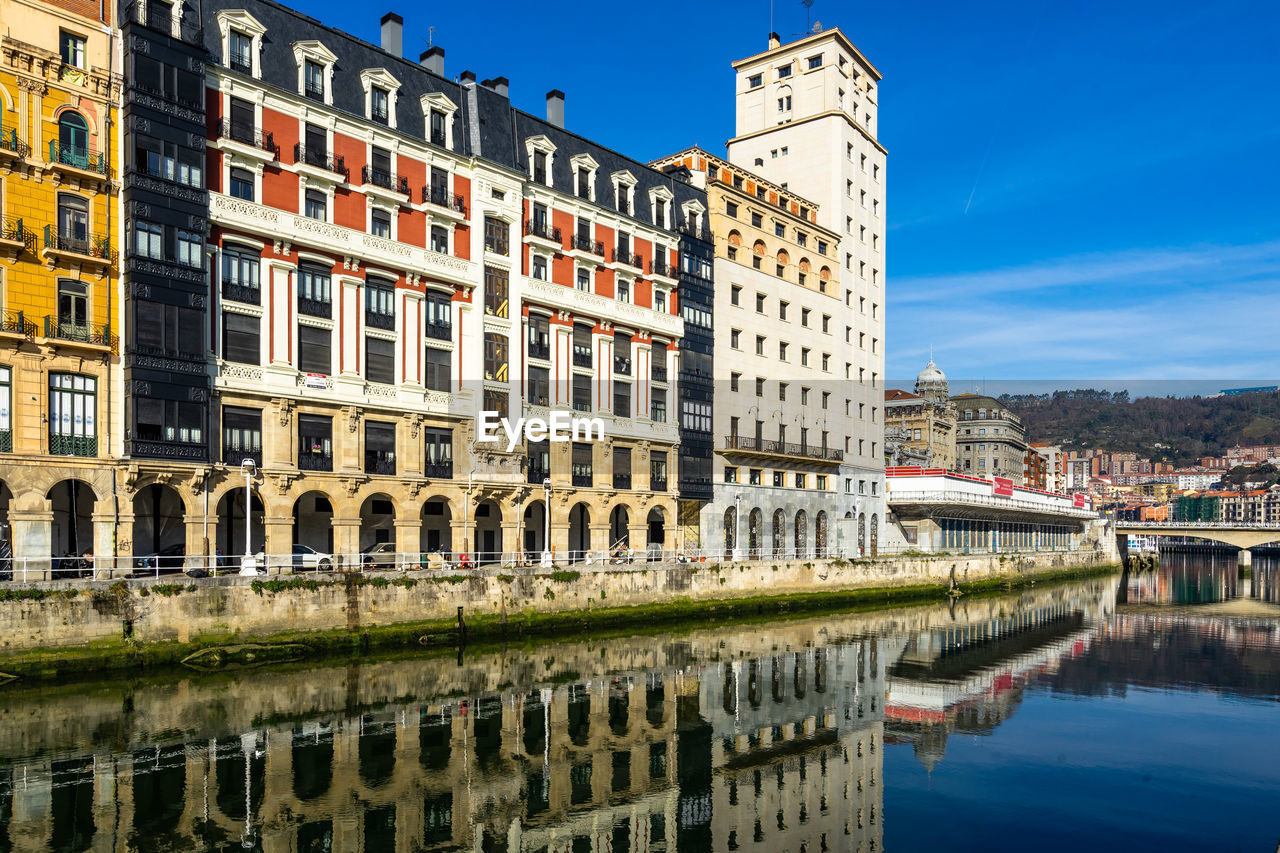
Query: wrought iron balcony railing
[624,256]
[538,475]
[380,462]
[657,485]
[622,481]
[545,230]
[73,445]
[586,244]
[441,196]
[246,293]
[91,245]
[386,180]
[782,448]
[539,350]
[582,480]
[659,266]
[439,331]
[9,141]
[315,462]
[86,159]
[438,470]
[17,323]
[241,64]
[314,92]
[79,332]
[437,138]
[315,307]
[320,159]
[658,373]
[234,456]
[379,320]
[248,135]
[13,229]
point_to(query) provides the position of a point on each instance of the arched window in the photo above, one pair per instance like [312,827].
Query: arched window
[804,265]
[783,257]
[755,523]
[779,532]
[862,534]
[735,239]
[825,273]
[820,535]
[802,533]
[730,532]
[73,139]
[758,248]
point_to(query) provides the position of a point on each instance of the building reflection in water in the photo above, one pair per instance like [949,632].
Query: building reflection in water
[764,738]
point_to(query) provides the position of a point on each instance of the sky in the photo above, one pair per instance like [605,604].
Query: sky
[1087,190]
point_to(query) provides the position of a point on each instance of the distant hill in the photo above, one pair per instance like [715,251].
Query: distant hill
[1163,429]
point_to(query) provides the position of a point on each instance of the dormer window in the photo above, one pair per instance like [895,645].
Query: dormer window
[692,211]
[584,176]
[315,70]
[437,110]
[241,41]
[379,105]
[540,151]
[539,167]
[437,127]
[660,200]
[314,81]
[380,90]
[624,184]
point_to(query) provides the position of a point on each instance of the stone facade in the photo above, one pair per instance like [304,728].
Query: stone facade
[989,439]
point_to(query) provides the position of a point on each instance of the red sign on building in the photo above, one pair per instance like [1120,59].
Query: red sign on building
[1081,500]
[1003,487]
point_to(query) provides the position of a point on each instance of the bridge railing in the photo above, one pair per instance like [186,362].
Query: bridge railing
[902,496]
[1183,525]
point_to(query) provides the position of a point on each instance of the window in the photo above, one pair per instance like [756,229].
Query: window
[735,295]
[313,291]
[438,452]
[540,267]
[581,393]
[779,479]
[240,274]
[539,386]
[757,220]
[658,405]
[496,401]
[379,448]
[815,61]
[759,386]
[168,420]
[380,361]
[190,249]
[784,104]
[622,353]
[313,80]
[438,363]
[540,167]
[241,435]
[802,481]
[804,396]
[173,162]
[71,47]
[495,356]
[539,337]
[315,443]
[440,239]
[581,469]
[437,128]
[784,71]
[314,350]
[72,415]
[316,205]
[826,362]
[73,222]
[148,240]
[779,230]
[379,105]
[733,381]
[782,391]
[496,235]
[584,279]
[242,184]
[734,336]
[622,399]
[172,330]
[731,209]
[240,338]
[804,356]
[759,344]
[624,291]
[582,182]
[755,81]
[782,350]
[496,283]
[760,303]
[804,317]
[380,224]
[730,474]
[240,52]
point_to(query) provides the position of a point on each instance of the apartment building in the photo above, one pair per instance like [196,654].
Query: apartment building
[781,413]
[60,409]
[806,121]
[921,427]
[989,439]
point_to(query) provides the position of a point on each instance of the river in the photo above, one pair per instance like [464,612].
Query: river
[1136,712]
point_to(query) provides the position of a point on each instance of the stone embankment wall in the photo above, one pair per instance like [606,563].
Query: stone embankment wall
[110,616]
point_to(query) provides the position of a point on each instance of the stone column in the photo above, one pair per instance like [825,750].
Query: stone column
[346,541]
[600,544]
[408,542]
[461,535]
[639,534]
[104,541]
[199,548]
[278,543]
[32,540]
[511,536]
[560,537]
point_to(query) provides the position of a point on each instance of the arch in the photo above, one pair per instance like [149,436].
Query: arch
[803,265]
[534,523]
[377,520]
[437,527]
[758,248]
[313,521]
[240,768]
[376,750]
[825,273]
[159,782]
[735,239]
[730,532]
[783,257]
[159,523]
[619,527]
[862,533]
[656,538]
[312,760]
[820,534]
[755,532]
[6,498]
[579,532]
[72,502]
[802,533]
[779,532]
[875,534]
[230,531]
[73,138]
[487,539]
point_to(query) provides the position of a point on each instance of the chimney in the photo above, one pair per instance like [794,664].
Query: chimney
[393,34]
[433,60]
[774,41]
[467,77]
[501,86]
[555,107]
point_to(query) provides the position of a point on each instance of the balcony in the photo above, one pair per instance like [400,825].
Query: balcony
[441,197]
[540,350]
[98,336]
[439,470]
[657,484]
[14,238]
[16,323]
[236,292]
[11,147]
[250,136]
[622,364]
[658,373]
[6,441]
[73,445]
[241,64]
[384,180]
[622,481]
[155,17]
[439,331]
[315,462]
[582,405]
[660,267]
[627,258]
[380,462]
[581,355]
[766,447]
[583,480]
[579,243]
[315,307]
[79,165]
[304,156]
[92,248]
[437,138]
[538,475]
[233,456]
[542,232]
[379,320]
[314,92]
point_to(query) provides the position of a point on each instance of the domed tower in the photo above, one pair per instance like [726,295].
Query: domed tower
[932,384]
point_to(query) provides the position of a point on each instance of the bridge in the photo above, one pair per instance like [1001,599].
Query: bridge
[1236,534]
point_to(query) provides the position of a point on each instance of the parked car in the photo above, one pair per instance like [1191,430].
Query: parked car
[306,558]
[166,561]
[380,555]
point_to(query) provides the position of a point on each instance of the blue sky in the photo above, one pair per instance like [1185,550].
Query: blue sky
[1086,190]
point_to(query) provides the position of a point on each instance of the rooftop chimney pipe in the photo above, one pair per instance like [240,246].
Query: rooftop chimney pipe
[774,41]
[555,107]
[393,34]
[433,60]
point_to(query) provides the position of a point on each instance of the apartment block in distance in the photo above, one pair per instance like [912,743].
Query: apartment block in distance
[806,122]
[60,410]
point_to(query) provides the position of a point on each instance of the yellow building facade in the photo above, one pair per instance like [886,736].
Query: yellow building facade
[59,422]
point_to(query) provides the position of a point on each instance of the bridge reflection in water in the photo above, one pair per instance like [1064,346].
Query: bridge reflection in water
[764,738]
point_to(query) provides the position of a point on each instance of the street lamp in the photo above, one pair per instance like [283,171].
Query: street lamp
[546,517]
[248,568]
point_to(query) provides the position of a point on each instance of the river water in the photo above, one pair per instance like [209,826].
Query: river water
[1133,712]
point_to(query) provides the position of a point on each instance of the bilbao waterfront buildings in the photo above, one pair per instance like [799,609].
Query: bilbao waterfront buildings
[288,280]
